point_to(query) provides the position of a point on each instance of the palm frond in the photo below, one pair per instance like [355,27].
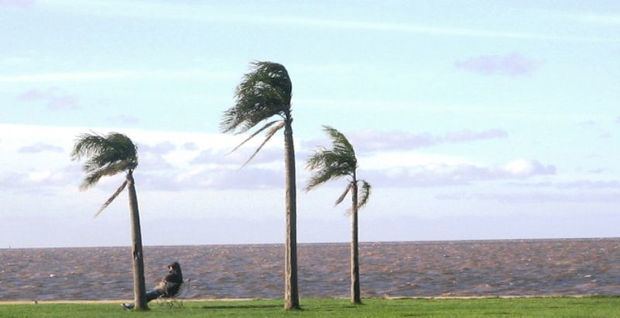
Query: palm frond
[269,124]
[265,91]
[92,177]
[338,161]
[344,194]
[365,191]
[106,155]
[324,159]
[89,144]
[268,136]
[114,195]
[340,143]
[322,176]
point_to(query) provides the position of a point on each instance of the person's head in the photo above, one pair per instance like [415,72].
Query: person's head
[174,267]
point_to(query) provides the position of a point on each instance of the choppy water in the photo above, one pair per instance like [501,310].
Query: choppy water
[512,267]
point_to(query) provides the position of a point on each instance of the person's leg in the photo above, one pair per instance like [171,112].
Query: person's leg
[153,294]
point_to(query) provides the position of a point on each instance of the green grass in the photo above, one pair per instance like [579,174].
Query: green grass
[604,307]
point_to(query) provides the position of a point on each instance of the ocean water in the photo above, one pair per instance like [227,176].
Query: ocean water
[459,268]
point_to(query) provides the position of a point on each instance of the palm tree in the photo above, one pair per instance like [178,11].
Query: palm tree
[334,163]
[265,93]
[106,156]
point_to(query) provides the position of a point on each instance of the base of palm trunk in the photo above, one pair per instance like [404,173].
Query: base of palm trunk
[291,307]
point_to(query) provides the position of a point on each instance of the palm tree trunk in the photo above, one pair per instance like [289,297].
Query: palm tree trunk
[139,289]
[291,293]
[356,297]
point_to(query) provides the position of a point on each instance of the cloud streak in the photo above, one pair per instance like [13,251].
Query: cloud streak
[40,147]
[161,148]
[17,3]
[461,174]
[107,75]
[214,179]
[38,182]
[205,13]
[371,141]
[123,120]
[52,98]
[597,19]
[237,158]
[512,65]
[534,197]
[574,185]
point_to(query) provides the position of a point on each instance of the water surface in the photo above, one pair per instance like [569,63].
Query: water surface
[460,268]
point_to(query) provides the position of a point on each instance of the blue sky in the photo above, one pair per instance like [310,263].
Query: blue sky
[473,120]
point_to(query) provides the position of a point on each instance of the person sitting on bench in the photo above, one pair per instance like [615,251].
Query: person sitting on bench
[168,287]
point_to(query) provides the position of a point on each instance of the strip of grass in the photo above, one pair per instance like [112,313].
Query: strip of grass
[603,307]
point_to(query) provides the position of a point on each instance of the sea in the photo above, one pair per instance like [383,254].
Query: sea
[388,269]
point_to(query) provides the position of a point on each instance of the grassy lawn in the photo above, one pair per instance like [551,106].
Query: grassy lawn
[604,307]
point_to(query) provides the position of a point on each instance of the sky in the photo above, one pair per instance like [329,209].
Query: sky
[471,119]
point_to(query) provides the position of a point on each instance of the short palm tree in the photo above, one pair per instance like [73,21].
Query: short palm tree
[106,156]
[265,93]
[340,162]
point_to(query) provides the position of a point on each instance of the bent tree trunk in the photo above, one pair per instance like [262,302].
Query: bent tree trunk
[356,297]
[291,293]
[139,289]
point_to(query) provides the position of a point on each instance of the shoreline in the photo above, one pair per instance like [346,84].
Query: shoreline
[118,301]
[422,242]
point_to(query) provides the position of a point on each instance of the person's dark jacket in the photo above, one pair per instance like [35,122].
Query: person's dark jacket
[171,284]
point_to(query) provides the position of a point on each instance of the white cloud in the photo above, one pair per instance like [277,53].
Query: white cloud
[437,171]
[172,161]
[525,168]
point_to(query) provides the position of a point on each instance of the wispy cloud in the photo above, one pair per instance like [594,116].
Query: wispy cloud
[14,60]
[434,175]
[190,146]
[161,148]
[237,158]
[123,120]
[53,98]
[369,141]
[534,197]
[214,179]
[469,135]
[207,13]
[40,147]
[40,182]
[115,75]
[577,184]
[513,64]
[17,3]
[600,19]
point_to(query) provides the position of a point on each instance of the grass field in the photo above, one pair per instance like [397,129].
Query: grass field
[604,307]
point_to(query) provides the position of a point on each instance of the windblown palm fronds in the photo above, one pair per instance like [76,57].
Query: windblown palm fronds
[263,93]
[106,156]
[337,162]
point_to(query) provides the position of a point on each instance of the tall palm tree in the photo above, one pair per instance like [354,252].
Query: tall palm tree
[340,162]
[265,93]
[106,156]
